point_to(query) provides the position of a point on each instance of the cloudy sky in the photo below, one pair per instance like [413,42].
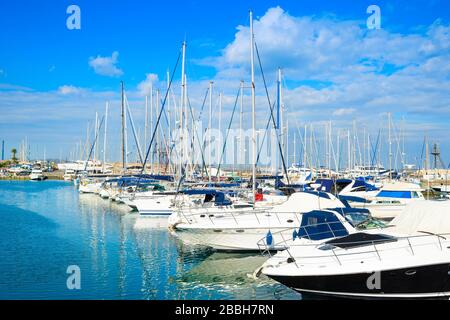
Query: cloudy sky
[53,80]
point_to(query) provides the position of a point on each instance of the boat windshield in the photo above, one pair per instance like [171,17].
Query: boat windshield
[360,239]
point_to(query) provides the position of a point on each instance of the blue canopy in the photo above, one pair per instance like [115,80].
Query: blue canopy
[219,196]
[157,177]
[319,225]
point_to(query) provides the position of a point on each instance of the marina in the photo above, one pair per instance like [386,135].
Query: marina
[246,172]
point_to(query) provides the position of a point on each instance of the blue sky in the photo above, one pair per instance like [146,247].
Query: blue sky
[50,87]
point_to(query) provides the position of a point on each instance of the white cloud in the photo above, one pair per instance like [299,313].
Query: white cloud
[145,86]
[69,89]
[106,66]
[343,111]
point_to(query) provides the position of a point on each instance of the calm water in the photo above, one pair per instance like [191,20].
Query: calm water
[47,226]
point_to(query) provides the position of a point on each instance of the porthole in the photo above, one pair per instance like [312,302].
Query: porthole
[290,221]
[217,230]
[240,231]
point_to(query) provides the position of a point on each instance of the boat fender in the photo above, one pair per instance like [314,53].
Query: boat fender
[269,239]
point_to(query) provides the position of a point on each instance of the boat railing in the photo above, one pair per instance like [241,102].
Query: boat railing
[339,253]
[238,216]
[300,232]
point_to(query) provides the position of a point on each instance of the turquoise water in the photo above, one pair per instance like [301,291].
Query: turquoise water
[47,226]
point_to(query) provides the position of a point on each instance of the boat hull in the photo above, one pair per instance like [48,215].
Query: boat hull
[154,206]
[238,239]
[431,281]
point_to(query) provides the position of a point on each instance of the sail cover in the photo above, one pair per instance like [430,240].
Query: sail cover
[427,216]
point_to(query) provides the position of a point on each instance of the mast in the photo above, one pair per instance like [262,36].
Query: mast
[209,129]
[241,135]
[95,134]
[295,149]
[253,109]
[305,150]
[280,137]
[123,127]
[287,142]
[183,84]
[349,157]
[104,137]
[219,142]
[390,146]
[146,122]
[151,125]
[158,136]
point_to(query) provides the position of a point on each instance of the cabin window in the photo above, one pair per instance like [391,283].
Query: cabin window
[394,194]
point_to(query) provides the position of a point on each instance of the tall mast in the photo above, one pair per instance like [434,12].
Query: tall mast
[123,127]
[390,146]
[95,134]
[158,137]
[209,129]
[295,150]
[104,136]
[278,118]
[241,135]
[146,122]
[219,142]
[151,126]
[169,115]
[253,109]
[183,84]
[349,157]
[287,141]
[305,150]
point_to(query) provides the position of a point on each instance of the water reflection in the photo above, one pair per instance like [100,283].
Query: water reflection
[120,257]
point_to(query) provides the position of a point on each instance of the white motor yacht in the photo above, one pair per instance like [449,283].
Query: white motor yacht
[37,175]
[408,259]
[240,229]
[392,199]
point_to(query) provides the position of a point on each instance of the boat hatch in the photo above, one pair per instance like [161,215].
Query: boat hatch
[360,239]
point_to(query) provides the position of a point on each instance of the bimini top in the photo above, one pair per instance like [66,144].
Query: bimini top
[219,196]
[328,185]
[159,177]
[426,216]
[320,225]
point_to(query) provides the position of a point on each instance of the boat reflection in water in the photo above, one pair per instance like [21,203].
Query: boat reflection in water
[231,275]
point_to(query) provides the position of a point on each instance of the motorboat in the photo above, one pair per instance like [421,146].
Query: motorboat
[37,175]
[392,199]
[90,185]
[410,258]
[241,230]
[69,175]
